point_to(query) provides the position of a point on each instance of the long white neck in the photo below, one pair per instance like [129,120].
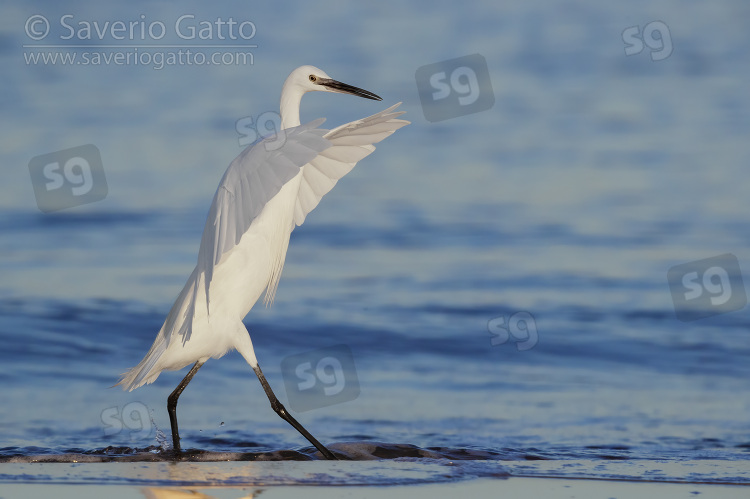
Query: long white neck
[291,95]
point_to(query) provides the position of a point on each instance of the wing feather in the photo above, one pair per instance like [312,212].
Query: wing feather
[329,167]
[258,174]
[251,180]
[350,143]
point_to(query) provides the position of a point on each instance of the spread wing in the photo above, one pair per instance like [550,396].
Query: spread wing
[251,180]
[349,144]
[258,174]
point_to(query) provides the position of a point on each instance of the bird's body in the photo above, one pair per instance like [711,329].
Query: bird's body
[266,191]
[238,281]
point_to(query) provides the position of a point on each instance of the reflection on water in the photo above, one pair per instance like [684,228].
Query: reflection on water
[159,493]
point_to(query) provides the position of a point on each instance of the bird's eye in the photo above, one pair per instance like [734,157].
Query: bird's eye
[313,78]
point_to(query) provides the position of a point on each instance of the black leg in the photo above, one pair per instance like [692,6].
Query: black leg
[172,405]
[281,411]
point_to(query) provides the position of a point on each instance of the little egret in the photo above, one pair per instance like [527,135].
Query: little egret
[266,191]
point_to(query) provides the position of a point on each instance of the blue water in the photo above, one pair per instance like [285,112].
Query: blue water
[567,202]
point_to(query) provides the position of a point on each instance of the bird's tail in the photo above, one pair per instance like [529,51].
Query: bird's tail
[179,319]
[144,372]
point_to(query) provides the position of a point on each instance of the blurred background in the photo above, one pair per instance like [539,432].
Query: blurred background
[497,269]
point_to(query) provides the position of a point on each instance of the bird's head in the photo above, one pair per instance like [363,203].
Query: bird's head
[312,79]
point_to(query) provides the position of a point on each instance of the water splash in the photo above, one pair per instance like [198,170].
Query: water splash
[160,437]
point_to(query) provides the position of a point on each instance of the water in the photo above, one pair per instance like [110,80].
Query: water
[567,202]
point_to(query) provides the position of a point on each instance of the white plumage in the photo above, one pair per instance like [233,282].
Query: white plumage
[262,196]
[266,191]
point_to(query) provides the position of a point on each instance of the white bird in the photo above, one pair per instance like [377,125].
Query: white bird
[266,191]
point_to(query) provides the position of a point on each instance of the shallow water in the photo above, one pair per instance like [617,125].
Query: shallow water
[564,205]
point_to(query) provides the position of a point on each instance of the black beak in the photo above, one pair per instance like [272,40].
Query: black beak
[337,86]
